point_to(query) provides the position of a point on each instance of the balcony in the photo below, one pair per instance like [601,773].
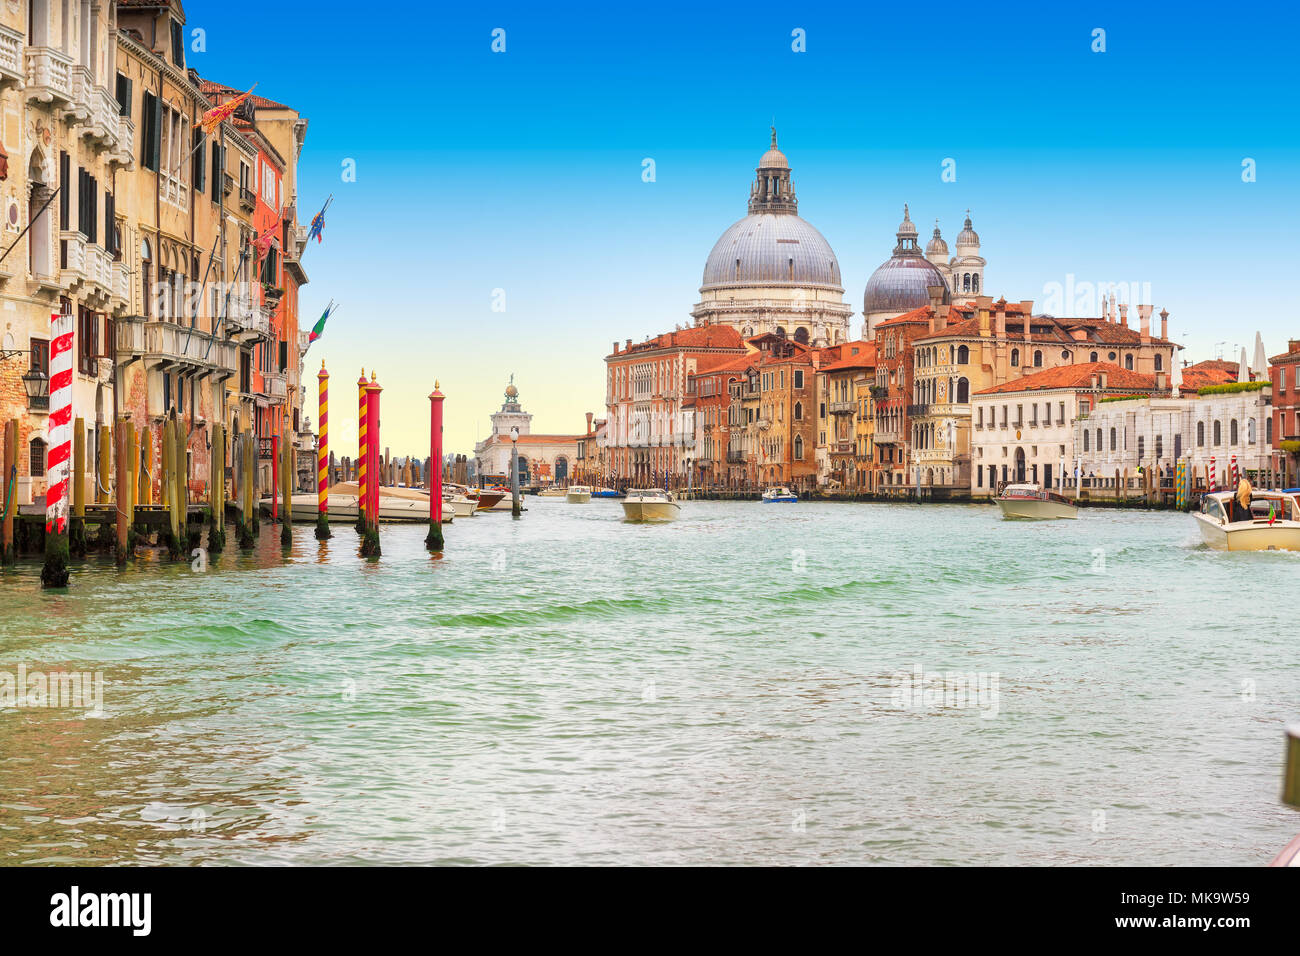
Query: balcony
[82,263]
[11,58]
[736,458]
[274,385]
[915,411]
[842,448]
[122,282]
[166,345]
[124,155]
[246,323]
[49,75]
[247,199]
[843,408]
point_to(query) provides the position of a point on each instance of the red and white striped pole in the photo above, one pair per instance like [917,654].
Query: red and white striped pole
[59,432]
[1214,475]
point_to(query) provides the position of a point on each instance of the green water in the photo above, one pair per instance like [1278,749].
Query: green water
[568,688]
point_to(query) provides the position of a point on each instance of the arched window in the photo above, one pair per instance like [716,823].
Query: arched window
[1086,433]
[1160,362]
[1099,439]
[1092,357]
[1200,434]
[798,411]
[965,285]
[1015,357]
[1268,431]
[975,283]
[1038,358]
[1112,439]
[1160,445]
[1232,432]
[1128,362]
[798,448]
[801,335]
[963,391]
[1251,436]
[963,355]
[1218,433]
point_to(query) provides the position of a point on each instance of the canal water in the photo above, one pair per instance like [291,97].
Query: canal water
[754,684]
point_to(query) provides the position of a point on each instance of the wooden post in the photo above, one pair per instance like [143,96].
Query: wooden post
[123,493]
[286,488]
[370,539]
[183,485]
[9,492]
[323,454]
[144,480]
[77,531]
[434,540]
[168,448]
[217,497]
[247,463]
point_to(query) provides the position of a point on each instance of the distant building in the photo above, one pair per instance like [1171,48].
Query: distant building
[1284,372]
[543,459]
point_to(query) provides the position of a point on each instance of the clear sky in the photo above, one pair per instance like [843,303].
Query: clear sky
[522,171]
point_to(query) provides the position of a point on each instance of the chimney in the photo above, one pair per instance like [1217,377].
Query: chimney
[1164,323]
[1123,316]
[1000,324]
[936,296]
[625,348]
[1027,306]
[1144,316]
[588,423]
[615,346]
[1161,381]
[1112,310]
[1098,380]
[1292,345]
[984,322]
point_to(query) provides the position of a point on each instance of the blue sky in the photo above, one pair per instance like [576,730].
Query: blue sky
[521,170]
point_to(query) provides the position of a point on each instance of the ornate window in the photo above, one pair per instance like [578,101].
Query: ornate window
[1200,434]
[1232,432]
[963,355]
[1015,357]
[1038,358]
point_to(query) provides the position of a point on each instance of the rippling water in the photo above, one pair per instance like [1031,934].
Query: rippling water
[568,688]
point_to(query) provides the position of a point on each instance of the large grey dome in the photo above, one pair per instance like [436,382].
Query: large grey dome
[772,249]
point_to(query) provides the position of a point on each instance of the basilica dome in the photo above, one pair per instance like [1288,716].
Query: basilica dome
[903,281]
[772,246]
[768,248]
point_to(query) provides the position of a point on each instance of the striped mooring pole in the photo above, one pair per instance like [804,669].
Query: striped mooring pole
[323,455]
[434,541]
[370,536]
[363,450]
[55,572]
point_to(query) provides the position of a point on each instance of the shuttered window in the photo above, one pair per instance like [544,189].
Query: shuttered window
[123,95]
[65,194]
[218,169]
[150,141]
[200,160]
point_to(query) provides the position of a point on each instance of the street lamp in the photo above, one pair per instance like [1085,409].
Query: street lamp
[37,385]
[514,471]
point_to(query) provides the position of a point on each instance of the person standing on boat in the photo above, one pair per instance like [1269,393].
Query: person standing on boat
[1241,503]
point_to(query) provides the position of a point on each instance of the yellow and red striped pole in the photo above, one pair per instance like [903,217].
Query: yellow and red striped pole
[323,454]
[363,450]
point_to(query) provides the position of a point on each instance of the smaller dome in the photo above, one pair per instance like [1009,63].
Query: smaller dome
[936,246]
[901,284]
[968,236]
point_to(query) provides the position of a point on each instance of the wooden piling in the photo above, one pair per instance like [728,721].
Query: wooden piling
[144,480]
[123,489]
[217,495]
[131,444]
[248,455]
[77,526]
[182,486]
[9,491]
[168,449]
[286,489]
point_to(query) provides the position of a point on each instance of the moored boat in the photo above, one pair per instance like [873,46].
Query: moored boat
[462,506]
[551,493]
[606,493]
[1029,501]
[578,495]
[1271,523]
[343,506]
[779,494]
[650,504]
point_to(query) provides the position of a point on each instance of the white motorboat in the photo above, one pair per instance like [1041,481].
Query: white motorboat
[1272,523]
[551,493]
[1031,502]
[779,495]
[578,495]
[650,504]
[462,506]
[343,506]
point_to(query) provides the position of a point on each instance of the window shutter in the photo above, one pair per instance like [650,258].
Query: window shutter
[218,171]
[123,95]
[154,140]
[200,160]
[65,196]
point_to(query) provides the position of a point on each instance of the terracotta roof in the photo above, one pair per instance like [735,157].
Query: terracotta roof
[1209,372]
[1076,376]
[210,88]
[698,337]
[1049,329]
[729,363]
[919,314]
[865,357]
